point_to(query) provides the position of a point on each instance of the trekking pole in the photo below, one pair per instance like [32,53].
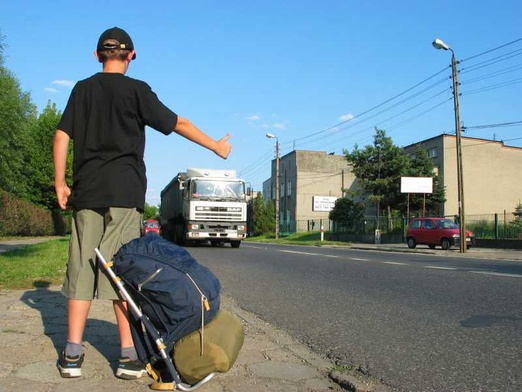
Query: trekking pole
[139,316]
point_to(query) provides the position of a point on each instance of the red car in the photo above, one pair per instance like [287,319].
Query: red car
[151,226]
[434,232]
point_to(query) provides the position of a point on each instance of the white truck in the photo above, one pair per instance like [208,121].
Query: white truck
[202,205]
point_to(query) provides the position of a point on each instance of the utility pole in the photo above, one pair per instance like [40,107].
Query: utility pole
[278,190]
[277,187]
[439,44]
[460,176]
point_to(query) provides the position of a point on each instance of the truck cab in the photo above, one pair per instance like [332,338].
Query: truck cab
[203,205]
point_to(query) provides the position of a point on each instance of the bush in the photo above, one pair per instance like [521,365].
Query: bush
[21,218]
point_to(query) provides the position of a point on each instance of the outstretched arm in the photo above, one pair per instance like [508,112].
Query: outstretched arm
[189,131]
[60,149]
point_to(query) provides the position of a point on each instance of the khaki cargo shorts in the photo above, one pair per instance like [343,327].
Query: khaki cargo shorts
[106,229]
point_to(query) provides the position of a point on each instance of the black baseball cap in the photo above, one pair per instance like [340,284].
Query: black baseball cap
[123,40]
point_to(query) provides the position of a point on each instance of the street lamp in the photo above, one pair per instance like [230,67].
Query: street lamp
[440,44]
[270,136]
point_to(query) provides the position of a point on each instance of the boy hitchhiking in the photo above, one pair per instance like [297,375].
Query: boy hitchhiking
[106,117]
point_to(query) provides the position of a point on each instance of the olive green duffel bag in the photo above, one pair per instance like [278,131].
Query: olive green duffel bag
[212,349]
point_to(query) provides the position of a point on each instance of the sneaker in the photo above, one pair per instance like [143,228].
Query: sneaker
[129,369]
[70,367]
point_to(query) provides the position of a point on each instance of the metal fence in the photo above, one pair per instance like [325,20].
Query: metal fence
[496,226]
[506,225]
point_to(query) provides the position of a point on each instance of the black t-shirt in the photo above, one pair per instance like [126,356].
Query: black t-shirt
[106,117]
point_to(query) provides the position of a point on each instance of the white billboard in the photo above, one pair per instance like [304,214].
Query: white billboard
[416,185]
[323,203]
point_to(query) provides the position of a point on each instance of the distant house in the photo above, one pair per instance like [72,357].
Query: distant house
[311,180]
[492,175]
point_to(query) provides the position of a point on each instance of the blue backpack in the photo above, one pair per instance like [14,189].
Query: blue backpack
[175,292]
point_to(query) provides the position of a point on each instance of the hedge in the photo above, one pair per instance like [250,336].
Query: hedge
[22,218]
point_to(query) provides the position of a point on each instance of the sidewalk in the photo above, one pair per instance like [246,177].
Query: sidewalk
[33,331]
[477,253]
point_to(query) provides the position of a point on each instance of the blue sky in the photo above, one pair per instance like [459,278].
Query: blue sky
[320,75]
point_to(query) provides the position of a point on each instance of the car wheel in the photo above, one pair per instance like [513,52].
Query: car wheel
[411,243]
[445,243]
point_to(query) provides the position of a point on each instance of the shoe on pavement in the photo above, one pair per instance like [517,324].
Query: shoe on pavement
[129,369]
[70,367]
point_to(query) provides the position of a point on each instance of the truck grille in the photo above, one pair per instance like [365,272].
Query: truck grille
[218,213]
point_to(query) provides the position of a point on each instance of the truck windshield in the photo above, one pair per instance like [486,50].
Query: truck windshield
[204,189]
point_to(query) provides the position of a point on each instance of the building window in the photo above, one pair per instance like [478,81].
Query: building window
[289,188]
[433,153]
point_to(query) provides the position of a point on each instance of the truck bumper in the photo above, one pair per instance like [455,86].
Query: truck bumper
[218,231]
[200,235]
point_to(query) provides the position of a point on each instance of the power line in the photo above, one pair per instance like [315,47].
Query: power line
[338,128]
[506,124]
[330,136]
[492,50]
[373,108]
[494,86]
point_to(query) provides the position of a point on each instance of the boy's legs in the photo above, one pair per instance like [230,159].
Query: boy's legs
[107,229]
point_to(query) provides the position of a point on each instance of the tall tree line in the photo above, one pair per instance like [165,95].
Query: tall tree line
[26,142]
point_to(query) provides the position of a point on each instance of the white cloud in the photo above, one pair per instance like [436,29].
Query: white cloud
[346,117]
[281,126]
[255,117]
[64,83]
[50,90]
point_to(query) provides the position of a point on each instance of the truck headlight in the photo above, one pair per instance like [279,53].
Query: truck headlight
[241,227]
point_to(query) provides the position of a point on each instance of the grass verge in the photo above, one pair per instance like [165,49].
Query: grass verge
[312,238]
[44,264]
[34,265]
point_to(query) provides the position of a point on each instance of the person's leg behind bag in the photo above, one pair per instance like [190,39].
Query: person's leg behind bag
[122,225]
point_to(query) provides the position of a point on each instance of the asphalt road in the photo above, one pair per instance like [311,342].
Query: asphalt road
[418,322]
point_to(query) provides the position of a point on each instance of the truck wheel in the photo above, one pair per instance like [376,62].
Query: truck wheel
[235,244]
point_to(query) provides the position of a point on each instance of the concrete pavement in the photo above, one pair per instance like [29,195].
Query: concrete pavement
[474,253]
[33,331]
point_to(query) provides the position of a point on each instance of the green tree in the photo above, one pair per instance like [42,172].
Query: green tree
[41,180]
[17,114]
[263,216]
[150,212]
[379,168]
[517,222]
[347,214]
[421,165]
